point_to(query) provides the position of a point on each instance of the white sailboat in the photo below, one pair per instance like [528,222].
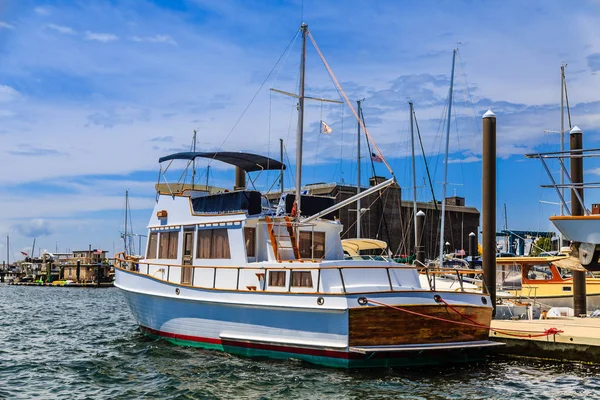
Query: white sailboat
[222,271]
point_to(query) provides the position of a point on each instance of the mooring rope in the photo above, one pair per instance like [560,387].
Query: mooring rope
[472,323]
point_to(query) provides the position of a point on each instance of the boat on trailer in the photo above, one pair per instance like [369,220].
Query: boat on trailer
[227,270]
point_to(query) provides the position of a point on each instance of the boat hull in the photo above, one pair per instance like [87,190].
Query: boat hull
[548,301]
[583,229]
[338,333]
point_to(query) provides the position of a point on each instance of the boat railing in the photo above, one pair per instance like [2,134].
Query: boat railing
[144,268]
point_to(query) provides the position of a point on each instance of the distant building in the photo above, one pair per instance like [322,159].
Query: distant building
[88,261]
[387,217]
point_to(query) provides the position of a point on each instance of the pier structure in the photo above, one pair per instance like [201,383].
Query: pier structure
[563,339]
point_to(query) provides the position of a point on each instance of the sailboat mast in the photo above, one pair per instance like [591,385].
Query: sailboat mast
[359,110]
[444,184]
[125,229]
[300,130]
[414,170]
[281,161]
[7,250]
[562,144]
[194,161]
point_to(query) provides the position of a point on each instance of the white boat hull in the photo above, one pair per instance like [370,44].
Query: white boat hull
[285,325]
[583,229]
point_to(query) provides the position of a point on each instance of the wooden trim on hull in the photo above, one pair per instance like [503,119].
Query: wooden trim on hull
[383,326]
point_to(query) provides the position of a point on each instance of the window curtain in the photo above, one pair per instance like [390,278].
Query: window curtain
[203,247]
[250,239]
[220,245]
[173,241]
[152,245]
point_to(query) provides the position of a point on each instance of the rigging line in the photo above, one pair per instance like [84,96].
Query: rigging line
[468,93]
[341,90]
[257,92]
[462,172]
[567,99]
[287,157]
[425,159]
[340,165]
[364,125]
[379,194]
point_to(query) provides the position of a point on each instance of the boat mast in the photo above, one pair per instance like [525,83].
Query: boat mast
[414,170]
[194,161]
[359,110]
[562,145]
[7,251]
[444,184]
[281,160]
[125,231]
[300,129]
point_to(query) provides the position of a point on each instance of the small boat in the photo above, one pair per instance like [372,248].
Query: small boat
[229,271]
[545,280]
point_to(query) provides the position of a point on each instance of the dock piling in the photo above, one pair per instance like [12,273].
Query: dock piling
[488,211]
[579,289]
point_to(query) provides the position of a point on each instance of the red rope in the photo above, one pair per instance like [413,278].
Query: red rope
[473,323]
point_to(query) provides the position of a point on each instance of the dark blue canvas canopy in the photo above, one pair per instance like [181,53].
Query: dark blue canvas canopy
[246,161]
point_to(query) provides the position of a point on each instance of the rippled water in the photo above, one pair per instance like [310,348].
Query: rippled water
[83,343]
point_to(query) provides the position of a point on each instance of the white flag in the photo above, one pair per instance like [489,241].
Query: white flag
[326,129]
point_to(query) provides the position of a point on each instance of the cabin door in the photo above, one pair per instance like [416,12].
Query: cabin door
[188,249]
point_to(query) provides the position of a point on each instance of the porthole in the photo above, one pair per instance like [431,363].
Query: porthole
[177,291]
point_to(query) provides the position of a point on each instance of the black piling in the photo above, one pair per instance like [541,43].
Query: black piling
[488,211]
[577,207]
[472,248]
[78,270]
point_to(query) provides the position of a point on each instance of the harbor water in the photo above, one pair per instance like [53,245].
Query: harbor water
[72,343]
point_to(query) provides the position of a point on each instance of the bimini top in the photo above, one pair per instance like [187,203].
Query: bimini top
[246,161]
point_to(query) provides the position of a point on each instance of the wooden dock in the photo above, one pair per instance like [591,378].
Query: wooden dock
[578,341]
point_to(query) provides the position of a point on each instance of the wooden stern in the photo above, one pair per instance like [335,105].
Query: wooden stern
[383,326]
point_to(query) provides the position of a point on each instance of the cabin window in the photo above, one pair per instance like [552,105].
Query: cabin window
[539,273]
[168,245]
[213,243]
[277,278]
[302,279]
[152,245]
[312,245]
[250,239]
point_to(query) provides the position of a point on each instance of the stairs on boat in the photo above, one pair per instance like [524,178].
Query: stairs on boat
[283,239]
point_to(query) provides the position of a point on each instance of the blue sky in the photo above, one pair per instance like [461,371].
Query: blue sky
[92,93]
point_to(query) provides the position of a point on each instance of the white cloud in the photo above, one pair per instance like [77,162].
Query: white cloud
[7,94]
[155,39]
[101,37]
[41,11]
[6,25]
[33,228]
[62,29]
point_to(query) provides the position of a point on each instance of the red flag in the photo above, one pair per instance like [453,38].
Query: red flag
[24,253]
